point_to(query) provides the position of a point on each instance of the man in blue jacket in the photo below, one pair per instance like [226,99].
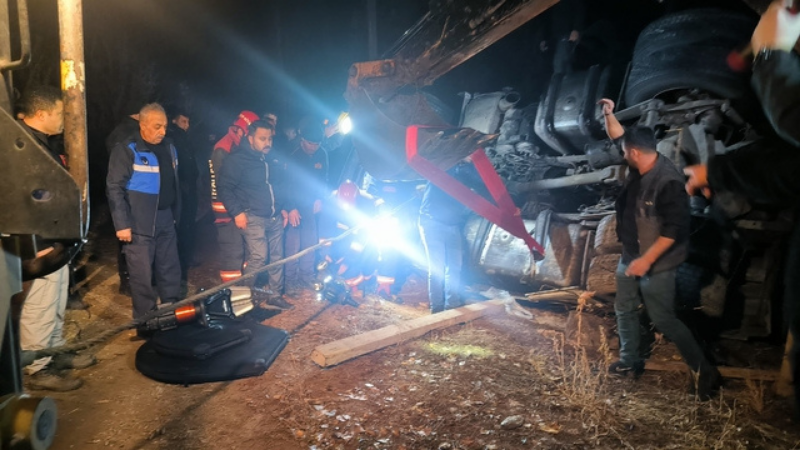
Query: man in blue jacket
[142,190]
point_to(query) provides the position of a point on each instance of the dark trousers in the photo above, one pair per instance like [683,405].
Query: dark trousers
[445,252]
[154,256]
[231,248]
[264,240]
[791,298]
[297,239]
[657,291]
[186,235]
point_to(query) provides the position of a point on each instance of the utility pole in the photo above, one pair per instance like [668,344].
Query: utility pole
[73,85]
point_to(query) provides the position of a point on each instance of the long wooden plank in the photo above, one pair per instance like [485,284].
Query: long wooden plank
[348,348]
[726,372]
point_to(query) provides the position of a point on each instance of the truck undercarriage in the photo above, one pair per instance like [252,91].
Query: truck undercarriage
[554,158]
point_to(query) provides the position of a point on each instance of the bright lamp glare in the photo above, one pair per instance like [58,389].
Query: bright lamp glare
[345,125]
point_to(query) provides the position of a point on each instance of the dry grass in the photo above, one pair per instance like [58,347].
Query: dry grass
[670,416]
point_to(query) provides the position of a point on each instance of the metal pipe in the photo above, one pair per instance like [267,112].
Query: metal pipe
[608,175]
[24,38]
[73,85]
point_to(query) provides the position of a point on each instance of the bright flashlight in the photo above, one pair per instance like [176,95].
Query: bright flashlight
[345,123]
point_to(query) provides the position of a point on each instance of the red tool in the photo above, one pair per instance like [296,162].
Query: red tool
[503,213]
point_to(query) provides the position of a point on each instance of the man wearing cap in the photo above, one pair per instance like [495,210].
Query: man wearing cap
[307,167]
[229,239]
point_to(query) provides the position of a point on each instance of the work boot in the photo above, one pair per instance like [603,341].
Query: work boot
[72,361]
[622,369]
[46,380]
[706,384]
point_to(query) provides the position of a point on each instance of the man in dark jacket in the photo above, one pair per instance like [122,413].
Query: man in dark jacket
[250,188]
[769,175]
[143,195]
[308,167]
[125,130]
[187,174]
[653,226]
[41,320]
[441,223]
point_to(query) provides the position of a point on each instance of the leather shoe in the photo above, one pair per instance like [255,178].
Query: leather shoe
[49,381]
[72,361]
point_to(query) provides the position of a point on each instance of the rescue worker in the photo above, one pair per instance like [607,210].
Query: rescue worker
[143,195]
[249,188]
[231,244]
[353,258]
[307,166]
[441,222]
[41,321]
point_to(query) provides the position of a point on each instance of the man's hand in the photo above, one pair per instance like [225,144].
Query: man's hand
[698,180]
[317,206]
[638,268]
[285,216]
[294,217]
[574,36]
[778,29]
[241,221]
[125,235]
[607,104]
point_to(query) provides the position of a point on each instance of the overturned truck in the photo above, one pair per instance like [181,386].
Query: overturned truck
[553,155]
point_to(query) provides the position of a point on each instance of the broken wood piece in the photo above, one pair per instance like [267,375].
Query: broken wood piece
[570,296]
[726,372]
[342,350]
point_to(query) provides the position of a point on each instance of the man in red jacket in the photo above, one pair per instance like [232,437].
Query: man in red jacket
[231,243]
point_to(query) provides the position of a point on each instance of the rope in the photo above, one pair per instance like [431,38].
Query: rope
[102,337]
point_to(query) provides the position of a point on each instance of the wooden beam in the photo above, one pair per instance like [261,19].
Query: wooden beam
[726,372]
[354,346]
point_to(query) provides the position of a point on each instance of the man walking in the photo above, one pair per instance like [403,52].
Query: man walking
[246,187]
[142,189]
[653,226]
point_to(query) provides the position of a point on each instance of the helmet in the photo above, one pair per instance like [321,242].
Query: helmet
[244,120]
[347,193]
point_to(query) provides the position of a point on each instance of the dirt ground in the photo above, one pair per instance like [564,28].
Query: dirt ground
[500,382]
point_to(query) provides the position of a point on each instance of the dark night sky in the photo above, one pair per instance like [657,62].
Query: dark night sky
[291,56]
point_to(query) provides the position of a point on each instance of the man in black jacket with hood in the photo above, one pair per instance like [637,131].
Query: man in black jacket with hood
[250,187]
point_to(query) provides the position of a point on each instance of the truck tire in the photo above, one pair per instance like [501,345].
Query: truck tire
[605,239]
[689,50]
